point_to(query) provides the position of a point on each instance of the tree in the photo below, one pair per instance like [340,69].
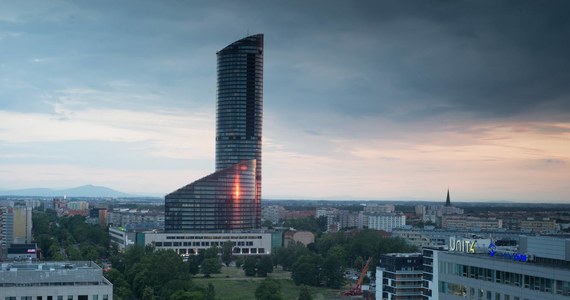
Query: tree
[193,265]
[211,252]
[165,266]
[249,266]
[268,289]
[286,257]
[267,224]
[227,253]
[148,294]
[264,265]
[333,267]
[188,295]
[306,270]
[358,263]
[239,261]
[211,266]
[166,291]
[304,293]
[121,287]
[210,292]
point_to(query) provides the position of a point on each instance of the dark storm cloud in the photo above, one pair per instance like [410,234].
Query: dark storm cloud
[400,59]
[420,58]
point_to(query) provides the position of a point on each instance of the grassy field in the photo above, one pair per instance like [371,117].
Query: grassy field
[232,284]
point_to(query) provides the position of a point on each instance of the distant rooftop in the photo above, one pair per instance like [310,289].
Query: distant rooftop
[403,254]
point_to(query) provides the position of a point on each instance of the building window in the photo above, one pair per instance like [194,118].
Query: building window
[95,297]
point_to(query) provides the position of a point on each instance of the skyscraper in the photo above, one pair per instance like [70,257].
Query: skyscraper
[240,108]
[230,198]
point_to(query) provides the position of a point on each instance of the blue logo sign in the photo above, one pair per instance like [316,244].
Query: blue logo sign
[492,249]
[507,255]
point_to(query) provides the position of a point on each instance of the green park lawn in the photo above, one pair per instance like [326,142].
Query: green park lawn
[232,284]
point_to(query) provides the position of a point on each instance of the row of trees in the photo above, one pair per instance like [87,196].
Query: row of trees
[324,262]
[62,238]
[144,273]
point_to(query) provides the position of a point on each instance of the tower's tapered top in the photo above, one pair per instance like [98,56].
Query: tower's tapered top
[255,40]
[447,201]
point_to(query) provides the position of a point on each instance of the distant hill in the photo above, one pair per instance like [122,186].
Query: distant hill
[89,190]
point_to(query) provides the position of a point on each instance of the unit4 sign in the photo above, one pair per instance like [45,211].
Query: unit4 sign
[462,245]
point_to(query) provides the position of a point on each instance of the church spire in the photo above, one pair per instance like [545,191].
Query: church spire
[447,201]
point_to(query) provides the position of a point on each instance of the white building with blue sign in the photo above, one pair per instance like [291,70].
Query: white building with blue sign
[538,269]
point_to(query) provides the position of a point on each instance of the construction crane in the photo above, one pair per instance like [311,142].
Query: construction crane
[357,290]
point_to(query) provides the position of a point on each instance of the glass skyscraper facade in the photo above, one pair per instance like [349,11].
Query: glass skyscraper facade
[224,200]
[230,198]
[240,107]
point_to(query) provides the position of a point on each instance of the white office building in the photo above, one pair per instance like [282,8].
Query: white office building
[54,281]
[184,243]
[386,222]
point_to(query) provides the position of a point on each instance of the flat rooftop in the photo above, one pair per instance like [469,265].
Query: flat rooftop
[51,274]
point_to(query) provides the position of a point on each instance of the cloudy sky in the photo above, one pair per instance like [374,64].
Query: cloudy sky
[362,99]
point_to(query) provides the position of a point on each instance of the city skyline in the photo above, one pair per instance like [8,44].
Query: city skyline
[374,100]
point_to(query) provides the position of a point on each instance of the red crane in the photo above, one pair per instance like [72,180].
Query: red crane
[357,290]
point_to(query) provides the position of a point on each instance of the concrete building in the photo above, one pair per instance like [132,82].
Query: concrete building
[245,243]
[439,237]
[351,219]
[379,208]
[22,226]
[423,238]
[54,281]
[420,210]
[399,276]
[6,229]
[538,269]
[460,222]
[139,220]
[121,237]
[272,213]
[304,237]
[332,215]
[386,222]
[541,225]
[78,205]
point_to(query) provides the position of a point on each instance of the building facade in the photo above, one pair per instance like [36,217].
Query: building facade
[542,225]
[54,281]
[22,218]
[230,198]
[386,222]
[538,269]
[224,200]
[272,213]
[239,117]
[460,222]
[185,244]
[399,276]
